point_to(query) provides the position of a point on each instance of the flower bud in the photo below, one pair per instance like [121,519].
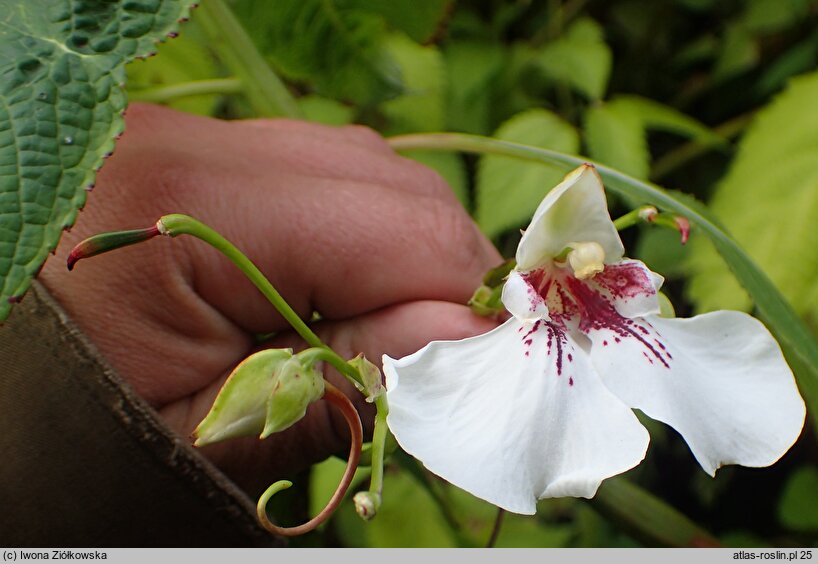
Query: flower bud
[586,259]
[371,377]
[367,504]
[105,242]
[295,388]
[241,406]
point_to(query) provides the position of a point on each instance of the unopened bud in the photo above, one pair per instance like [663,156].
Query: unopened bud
[647,213]
[241,406]
[105,242]
[367,504]
[370,377]
[295,388]
[586,259]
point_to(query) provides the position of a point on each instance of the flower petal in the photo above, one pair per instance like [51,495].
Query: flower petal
[575,210]
[522,300]
[719,379]
[511,416]
[630,287]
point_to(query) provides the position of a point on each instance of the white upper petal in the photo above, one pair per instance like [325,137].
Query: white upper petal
[522,300]
[509,427]
[719,379]
[573,211]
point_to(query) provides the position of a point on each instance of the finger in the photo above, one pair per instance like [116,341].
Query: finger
[342,249]
[341,241]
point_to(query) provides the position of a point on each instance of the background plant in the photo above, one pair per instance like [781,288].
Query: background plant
[718,100]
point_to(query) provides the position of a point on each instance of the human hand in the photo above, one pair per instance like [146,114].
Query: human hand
[376,244]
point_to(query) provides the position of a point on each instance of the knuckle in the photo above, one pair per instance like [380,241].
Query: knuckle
[455,238]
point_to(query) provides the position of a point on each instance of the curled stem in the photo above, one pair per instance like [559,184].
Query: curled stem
[339,400]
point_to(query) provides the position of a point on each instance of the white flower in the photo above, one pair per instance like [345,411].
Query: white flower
[542,405]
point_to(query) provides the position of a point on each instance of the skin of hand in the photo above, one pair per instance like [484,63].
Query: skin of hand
[341,225]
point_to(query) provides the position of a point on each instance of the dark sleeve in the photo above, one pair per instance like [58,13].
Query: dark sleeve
[83,461]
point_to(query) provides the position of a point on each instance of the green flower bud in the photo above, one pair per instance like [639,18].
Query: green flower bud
[295,388]
[370,376]
[367,504]
[241,406]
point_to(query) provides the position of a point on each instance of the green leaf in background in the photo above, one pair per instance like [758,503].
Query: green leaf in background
[770,16]
[419,20]
[62,64]
[326,110]
[800,58]
[739,53]
[508,190]
[616,136]
[580,59]
[420,107]
[798,507]
[616,131]
[181,61]
[336,46]
[769,202]
[473,69]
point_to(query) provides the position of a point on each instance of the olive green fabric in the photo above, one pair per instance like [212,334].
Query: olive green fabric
[83,461]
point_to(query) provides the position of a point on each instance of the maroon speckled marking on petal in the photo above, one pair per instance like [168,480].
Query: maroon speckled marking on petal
[625,280]
[556,342]
[598,313]
[589,305]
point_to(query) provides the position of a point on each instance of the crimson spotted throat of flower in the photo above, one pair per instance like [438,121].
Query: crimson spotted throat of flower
[542,406]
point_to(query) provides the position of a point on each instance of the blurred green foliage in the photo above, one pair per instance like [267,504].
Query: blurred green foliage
[699,95]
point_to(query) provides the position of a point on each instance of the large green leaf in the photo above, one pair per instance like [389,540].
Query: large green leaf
[508,191]
[616,136]
[181,61]
[420,107]
[580,59]
[616,132]
[61,102]
[474,71]
[769,201]
[335,46]
[419,20]
[798,343]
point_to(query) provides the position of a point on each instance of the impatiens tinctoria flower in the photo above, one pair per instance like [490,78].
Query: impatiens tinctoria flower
[542,405]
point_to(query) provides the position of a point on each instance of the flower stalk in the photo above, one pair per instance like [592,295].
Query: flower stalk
[360,372]
[334,396]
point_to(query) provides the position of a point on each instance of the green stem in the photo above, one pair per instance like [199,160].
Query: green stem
[632,218]
[165,94]
[326,354]
[265,91]
[178,224]
[650,518]
[689,151]
[378,442]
